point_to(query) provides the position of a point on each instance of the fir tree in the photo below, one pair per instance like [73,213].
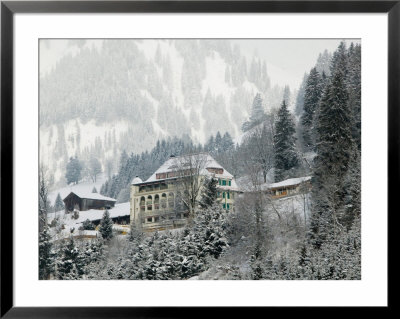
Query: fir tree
[257,113]
[284,143]
[334,149]
[209,194]
[135,234]
[312,97]
[354,85]
[300,96]
[69,262]
[257,110]
[106,226]
[218,143]
[88,225]
[58,204]
[94,190]
[227,142]
[73,172]
[46,256]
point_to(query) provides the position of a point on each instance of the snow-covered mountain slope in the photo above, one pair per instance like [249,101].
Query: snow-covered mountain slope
[126,94]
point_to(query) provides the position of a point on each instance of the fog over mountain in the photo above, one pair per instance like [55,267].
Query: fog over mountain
[99,97]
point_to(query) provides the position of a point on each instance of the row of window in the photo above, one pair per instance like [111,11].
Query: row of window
[224,182]
[158,218]
[152,187]
[227,195]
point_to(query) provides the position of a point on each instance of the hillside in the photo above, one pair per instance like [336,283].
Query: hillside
[144,91]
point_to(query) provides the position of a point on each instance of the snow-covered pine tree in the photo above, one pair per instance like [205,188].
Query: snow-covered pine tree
[218,143]
[257,110]
[323,62]
[286,94]
[94,190]
[284,143]
[334,149]
[312,96]
[88,225]
[209,193]
[227,142]
[257,114]
[68,261]
[340,60]
[106,226]
[354,85]
[46,255]
[73,171]
[135,234]
[58,204]
[300,96]
[352,188]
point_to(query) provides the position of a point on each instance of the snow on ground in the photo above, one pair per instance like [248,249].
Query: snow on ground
[89,131]
[82,187]
[298,205]
[245,183]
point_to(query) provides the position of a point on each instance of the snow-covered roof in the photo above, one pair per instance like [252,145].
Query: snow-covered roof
[136,180]
[246,183]
[202,160]
[89,195]
[290,182]
[119,210]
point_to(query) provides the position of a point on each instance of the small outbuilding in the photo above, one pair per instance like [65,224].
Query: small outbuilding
[84,201]
[292,186]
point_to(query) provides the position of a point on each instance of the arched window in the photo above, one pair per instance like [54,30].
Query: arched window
[149,202]
[142,204]
[156,201]
[163,200]
[171,200]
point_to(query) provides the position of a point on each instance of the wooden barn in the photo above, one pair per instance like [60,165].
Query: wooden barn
[84,201]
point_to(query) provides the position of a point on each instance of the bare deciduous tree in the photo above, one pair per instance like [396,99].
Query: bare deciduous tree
[44,204]
[188,169]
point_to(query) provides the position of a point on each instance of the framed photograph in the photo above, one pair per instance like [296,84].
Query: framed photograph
[160,155]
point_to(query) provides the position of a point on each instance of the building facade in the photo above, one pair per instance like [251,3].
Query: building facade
[155,203]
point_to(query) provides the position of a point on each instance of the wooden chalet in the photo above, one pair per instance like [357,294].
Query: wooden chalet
[85,201]
[289,187]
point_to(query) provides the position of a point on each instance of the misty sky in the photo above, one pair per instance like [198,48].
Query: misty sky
[287,60]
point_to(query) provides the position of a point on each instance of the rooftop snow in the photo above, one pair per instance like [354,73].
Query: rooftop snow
[290,182]
[119,210]
[246,183]
[89,195]
[203,160]
[137,180]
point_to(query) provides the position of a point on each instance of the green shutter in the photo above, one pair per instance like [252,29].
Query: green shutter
[229,183]
[223,195]
[229,195]
[223,206]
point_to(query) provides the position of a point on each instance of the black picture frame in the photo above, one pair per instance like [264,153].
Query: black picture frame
[9,8]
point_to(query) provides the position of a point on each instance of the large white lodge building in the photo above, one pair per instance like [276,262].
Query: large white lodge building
[153,203]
